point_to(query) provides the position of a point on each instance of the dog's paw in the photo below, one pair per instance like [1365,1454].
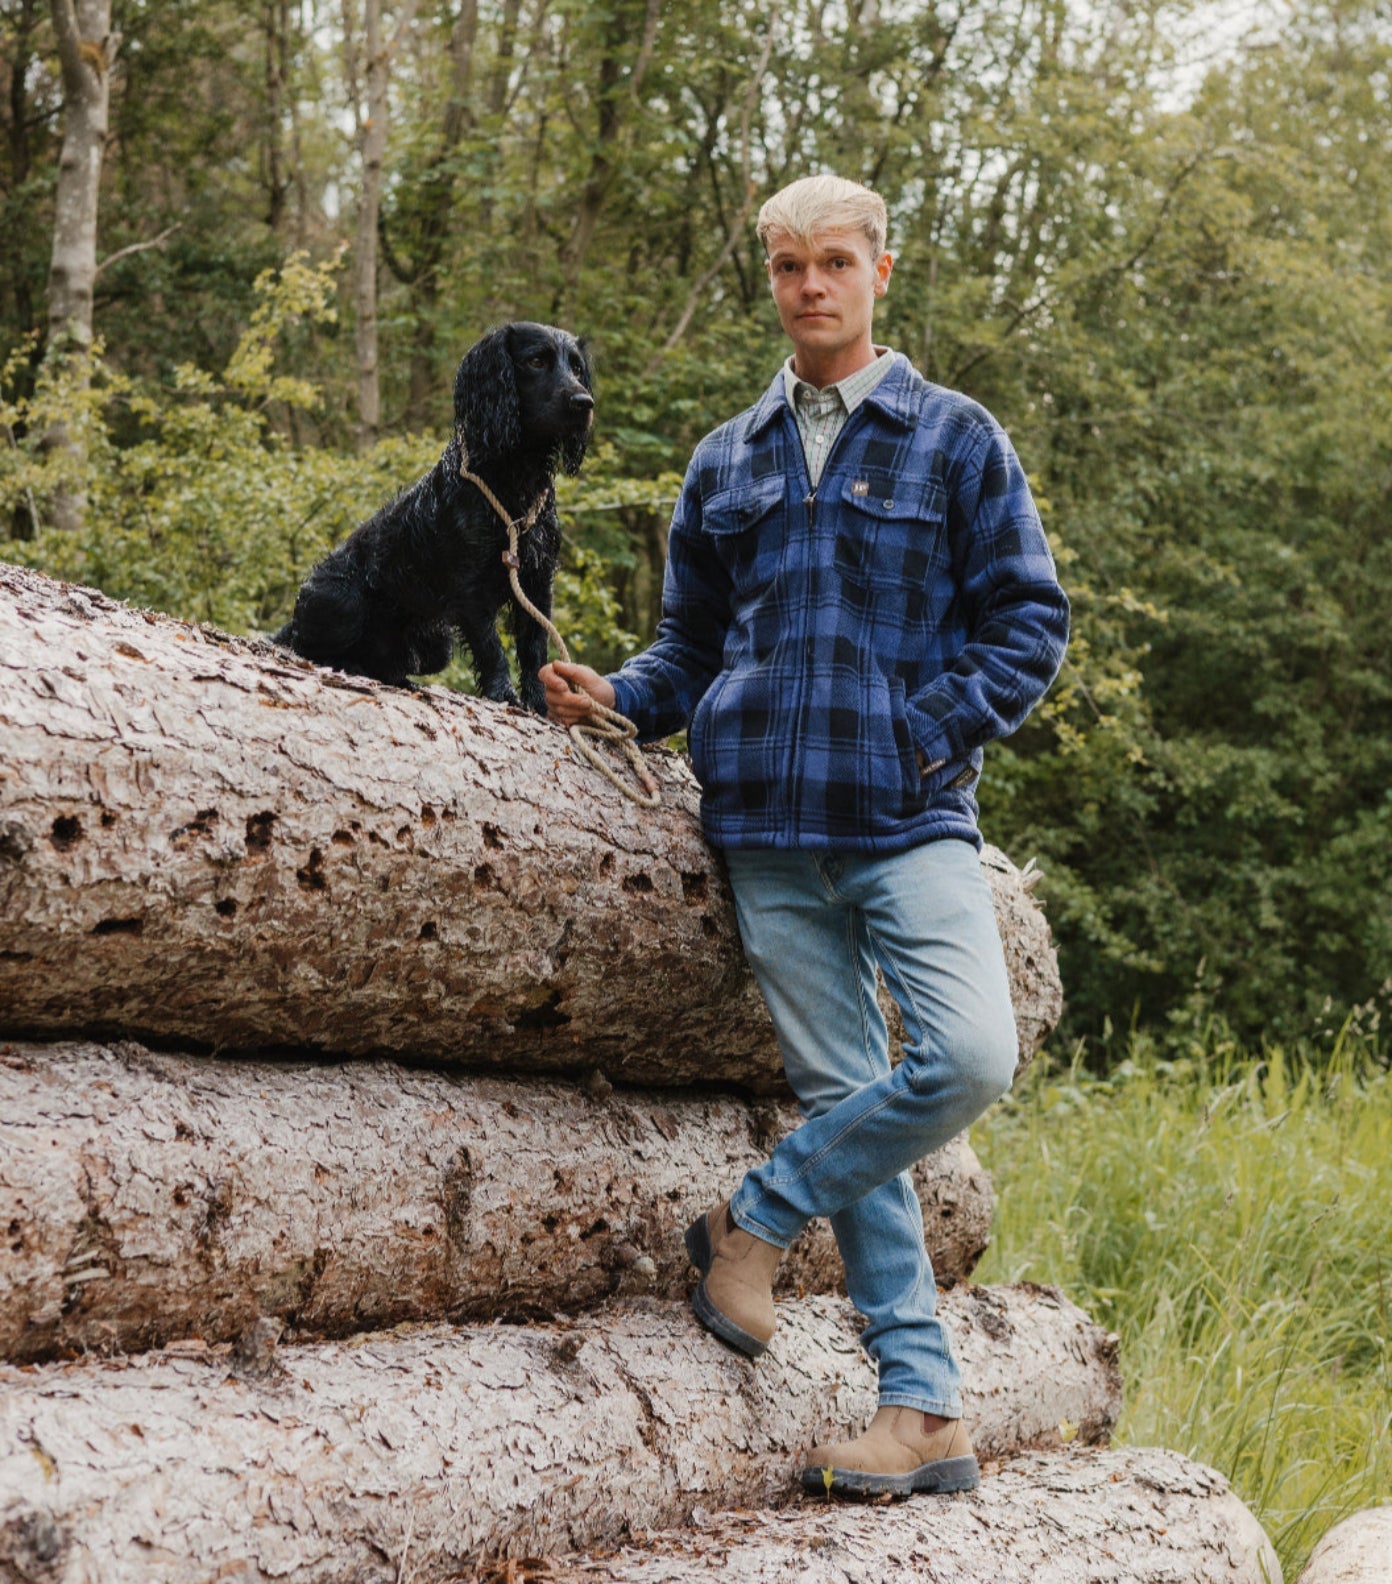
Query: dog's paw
[500,693]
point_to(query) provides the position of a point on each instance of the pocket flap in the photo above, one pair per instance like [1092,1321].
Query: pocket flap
[879,495]
[734,510]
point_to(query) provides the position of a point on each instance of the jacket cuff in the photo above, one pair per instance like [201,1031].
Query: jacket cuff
[623,696]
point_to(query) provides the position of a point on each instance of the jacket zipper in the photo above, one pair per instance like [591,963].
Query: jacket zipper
[803,700]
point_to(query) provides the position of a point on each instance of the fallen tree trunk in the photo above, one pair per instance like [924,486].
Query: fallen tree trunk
[207,841]
[426,1450]
[1356,1551]
[151,1197]
[1128,1516]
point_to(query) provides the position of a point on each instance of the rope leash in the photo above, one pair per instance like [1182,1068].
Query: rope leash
[609,726]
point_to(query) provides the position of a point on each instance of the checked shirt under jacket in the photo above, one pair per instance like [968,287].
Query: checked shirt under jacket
[817,642]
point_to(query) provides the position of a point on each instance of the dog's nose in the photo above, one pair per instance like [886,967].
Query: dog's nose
[581,398]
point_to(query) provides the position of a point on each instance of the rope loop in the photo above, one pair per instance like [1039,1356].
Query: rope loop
[605,725]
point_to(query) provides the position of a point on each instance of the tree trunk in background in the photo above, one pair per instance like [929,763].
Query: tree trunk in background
[371,106]
[276,26]
[158,1197]
[435,1447]
[434,219]
[616,97]
[86,51]
[208,840]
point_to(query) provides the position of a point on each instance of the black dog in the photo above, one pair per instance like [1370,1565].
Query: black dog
[387,602]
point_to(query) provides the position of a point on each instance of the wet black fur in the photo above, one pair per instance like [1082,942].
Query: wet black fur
[387,602]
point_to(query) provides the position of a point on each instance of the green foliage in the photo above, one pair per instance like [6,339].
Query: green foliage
[209,512]
[1226,1214]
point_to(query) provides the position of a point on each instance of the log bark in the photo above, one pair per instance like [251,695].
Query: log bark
[1356,1551]
[153,1197]
[427,1450]
[1127,1516]
[205,840]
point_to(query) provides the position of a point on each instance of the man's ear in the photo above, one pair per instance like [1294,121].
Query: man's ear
[884,267]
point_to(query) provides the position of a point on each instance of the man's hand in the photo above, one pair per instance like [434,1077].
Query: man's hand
[568,708]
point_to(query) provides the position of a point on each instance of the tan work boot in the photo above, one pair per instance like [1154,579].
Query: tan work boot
[901,1451]
[735,1296]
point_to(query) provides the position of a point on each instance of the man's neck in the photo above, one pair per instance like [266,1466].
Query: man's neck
[835,367]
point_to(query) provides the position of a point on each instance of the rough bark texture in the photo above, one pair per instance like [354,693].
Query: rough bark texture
[203,838]
[1120,1517]
[1357,1551]
[150,1197]
[420,1452]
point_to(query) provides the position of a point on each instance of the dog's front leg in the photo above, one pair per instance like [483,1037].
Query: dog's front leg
[478,627]
[530,638]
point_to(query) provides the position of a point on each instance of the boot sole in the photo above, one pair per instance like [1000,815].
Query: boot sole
[698,1248]
[939,1478]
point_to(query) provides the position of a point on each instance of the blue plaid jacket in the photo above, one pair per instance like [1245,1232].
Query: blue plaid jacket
[816,643]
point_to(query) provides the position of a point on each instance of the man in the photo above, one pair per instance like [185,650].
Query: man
[858,596]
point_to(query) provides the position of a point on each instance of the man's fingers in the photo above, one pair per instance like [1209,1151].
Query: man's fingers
[563,705]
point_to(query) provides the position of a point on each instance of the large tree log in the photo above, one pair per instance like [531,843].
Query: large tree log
[1133,1516]
[205,841]
[1356,1551]
[149,1197]
[321,1464]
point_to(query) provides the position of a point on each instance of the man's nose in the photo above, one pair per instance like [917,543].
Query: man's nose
[813,282]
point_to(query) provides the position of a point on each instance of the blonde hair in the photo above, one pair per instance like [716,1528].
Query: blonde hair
[820,203]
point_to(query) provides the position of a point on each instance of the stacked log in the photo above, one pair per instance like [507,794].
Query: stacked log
[155,1196]
[206,841]
[366,1056]
[1116,1517]
[491,1441]
[1356,1551]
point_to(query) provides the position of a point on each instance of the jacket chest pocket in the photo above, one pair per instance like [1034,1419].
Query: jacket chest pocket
[745,526]
[890,537]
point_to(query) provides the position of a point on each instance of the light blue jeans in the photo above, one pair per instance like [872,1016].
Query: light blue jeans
[814,926]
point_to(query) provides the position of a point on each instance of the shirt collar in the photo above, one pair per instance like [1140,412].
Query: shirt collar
[852,390]
[893,395]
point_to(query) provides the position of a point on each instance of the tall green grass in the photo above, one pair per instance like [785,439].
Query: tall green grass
[1231,1218]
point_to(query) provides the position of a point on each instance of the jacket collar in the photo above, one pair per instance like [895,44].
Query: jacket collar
[895,396]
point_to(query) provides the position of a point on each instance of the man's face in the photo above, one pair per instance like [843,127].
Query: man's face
[825,291]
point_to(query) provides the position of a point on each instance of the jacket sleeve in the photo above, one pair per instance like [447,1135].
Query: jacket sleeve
[659,689]
[1017,614]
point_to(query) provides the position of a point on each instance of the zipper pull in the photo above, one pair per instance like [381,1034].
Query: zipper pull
[810,502]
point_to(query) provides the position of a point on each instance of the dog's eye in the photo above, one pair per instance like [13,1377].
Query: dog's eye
[538,360]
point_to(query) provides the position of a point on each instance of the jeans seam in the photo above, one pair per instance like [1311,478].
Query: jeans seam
[862,998]
[942,1406]
[833,1142]
[754,1227]
[886,959]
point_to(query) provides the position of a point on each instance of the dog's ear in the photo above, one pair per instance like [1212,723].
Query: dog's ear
[573,451]
[485,399]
